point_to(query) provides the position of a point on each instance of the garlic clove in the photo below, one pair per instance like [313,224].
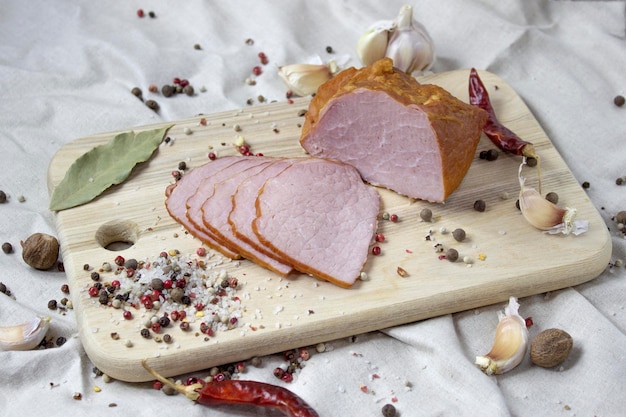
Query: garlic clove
[372,45]
[410,46]
[545,215]
[24,336]
[305,79]
[510,344]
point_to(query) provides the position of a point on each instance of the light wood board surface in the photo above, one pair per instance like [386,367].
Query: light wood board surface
[299,310]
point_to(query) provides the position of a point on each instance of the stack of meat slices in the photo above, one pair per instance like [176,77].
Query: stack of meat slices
[312,215]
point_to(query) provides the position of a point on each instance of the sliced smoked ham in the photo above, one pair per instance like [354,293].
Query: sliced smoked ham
[415,139]
[319,216]
[178,193]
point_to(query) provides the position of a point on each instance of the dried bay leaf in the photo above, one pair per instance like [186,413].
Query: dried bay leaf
[103,166]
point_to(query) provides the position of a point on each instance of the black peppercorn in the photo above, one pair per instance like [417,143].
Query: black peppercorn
[531,162]
[3,288]
[103,297]
[7,248]
[586,185]
[3,197]
[95,276]
[458,235]
[164,321]
[145,333]
[552,197]
[182,165]
[452,255]
[492,155]
[329,49]
[61,340]
[137,92]
[152,105]
[168,90]
[619,100]
[479,205]
[65,289]
[188,89]
[52,304]
[131,264]
[186,300]
[426,214]
[389,410]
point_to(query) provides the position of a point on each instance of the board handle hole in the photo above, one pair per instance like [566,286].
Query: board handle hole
[117,235]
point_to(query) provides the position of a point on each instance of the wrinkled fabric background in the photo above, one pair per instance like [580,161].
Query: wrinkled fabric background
[66,71]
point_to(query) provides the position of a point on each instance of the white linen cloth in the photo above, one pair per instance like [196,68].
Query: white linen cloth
[66,71]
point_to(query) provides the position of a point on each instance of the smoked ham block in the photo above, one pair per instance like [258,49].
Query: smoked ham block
[314,215]
[415,139]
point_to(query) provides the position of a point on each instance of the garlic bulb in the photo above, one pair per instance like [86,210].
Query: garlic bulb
[404,40]
[372,45]
[24,336]
[510,344]
[545,215]
[410,46]
[305,79]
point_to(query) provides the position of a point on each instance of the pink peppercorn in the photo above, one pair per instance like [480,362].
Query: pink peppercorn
[140,13]
[127,314]
[174,315]
[201,252]
[93,291]
[167,284]
[212,156]
[156,327]
[119,260]
[157,385]
[233,320]
[287,377]
[184,83]
[115,283]
[376,250]
[289,94]
[257,70]
[304,354]
[153,88]
[529,322]
[393,218]
[380,237]
[176,80]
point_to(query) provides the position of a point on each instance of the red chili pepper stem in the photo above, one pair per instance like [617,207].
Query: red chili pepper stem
[189,391]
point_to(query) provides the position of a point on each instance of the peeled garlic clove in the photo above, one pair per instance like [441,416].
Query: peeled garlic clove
[24,336]
[372,45]
[510,344]
[305,79]
[410,46]
[544,214]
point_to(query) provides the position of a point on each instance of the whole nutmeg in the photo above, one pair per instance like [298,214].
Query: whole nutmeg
[550,347]
[40,251]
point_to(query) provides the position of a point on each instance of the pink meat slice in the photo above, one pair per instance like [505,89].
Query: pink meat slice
[178,193]
[321,217]
[217,207]
[205,188]
[244,209]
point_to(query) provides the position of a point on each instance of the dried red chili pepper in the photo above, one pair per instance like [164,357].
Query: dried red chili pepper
[499,134]
[233,391]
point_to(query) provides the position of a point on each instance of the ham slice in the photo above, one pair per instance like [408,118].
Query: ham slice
[319,216]
[178,193]
[415,139]
[244,209]
[219,204]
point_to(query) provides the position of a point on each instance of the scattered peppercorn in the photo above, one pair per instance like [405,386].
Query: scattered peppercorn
[182,165]
[153,105]
[137,92]
[452,255]
[152,14]
[61,341]
[479,205]
[458,235]
[168,90]
[531,162]
[197,46]
[95,276]
[52,304]
[188,89]
[389,410]
[552,197]
[586,185]
[619,100]
[3,197]
[619,181]
[145,333]
[7,248]
[426,215]
[492,155]
[329,49]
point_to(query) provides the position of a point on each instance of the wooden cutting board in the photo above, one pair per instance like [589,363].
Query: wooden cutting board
[508,256]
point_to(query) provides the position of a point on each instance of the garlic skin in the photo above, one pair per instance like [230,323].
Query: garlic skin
[510,344]
[24,336]
[410,46]
[372,45]
[545,215]
[305,79]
